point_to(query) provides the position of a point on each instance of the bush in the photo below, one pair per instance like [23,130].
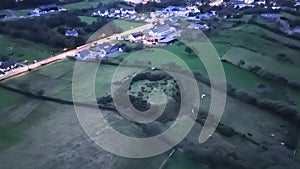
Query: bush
[241,62]
[127,49]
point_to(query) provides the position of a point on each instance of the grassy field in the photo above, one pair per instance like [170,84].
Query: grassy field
[57,80]
[86,4]
[17,115]
[88,19]
[236,76]
[82,5]
[11,99]
[258,31]
[126,25]
[22,12]
[233,73]
[57,123]
[21,50]
[250,37]
[235,54]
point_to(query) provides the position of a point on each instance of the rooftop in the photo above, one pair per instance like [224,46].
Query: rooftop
[161,28]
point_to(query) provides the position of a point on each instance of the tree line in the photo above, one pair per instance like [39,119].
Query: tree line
[50,29]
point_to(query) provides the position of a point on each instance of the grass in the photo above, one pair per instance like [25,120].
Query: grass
[259,46]
[236,76]
[9,99]
[22,12]
[8,136]
[13,104]
[127,25]
[179,161]
[257,30]
[21,50]
[251,37]
[235,54]
[81,5]
[56,80]
[233,73]
[88,19]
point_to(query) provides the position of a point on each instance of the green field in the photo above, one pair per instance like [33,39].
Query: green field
[127,25]
[236,76]
[22,12]
[50,132]
[233,73]
[88,19]
[235,54]
[81,5]
[57,122]
[250,37]
[11,99]
[22,50]
[258,31]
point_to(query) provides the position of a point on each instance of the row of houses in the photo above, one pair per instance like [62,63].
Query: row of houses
[121,13]
[99,52]
[46,9]
[135,2]
[8,65]
[175,11]
[114,12]
[252,3]
[159,35]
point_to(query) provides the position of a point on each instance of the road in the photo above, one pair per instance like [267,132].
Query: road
[72,52]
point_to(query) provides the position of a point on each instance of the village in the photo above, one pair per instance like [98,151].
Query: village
[165,29]
[63,59]
[166,20]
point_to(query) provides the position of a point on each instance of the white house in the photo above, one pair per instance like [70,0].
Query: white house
[261,2]
[198,26]
[140,1]
[99,52]
[8,65]
[86,55]
[248,1]
[135,37]
[71,32]
[192,9]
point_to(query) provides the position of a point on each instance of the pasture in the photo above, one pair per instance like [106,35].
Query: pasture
[127,25]
[88,19]
[81,5]
[235,54]
[21,50]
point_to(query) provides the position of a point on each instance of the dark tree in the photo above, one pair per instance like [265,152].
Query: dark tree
[139,46]
[188,50]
